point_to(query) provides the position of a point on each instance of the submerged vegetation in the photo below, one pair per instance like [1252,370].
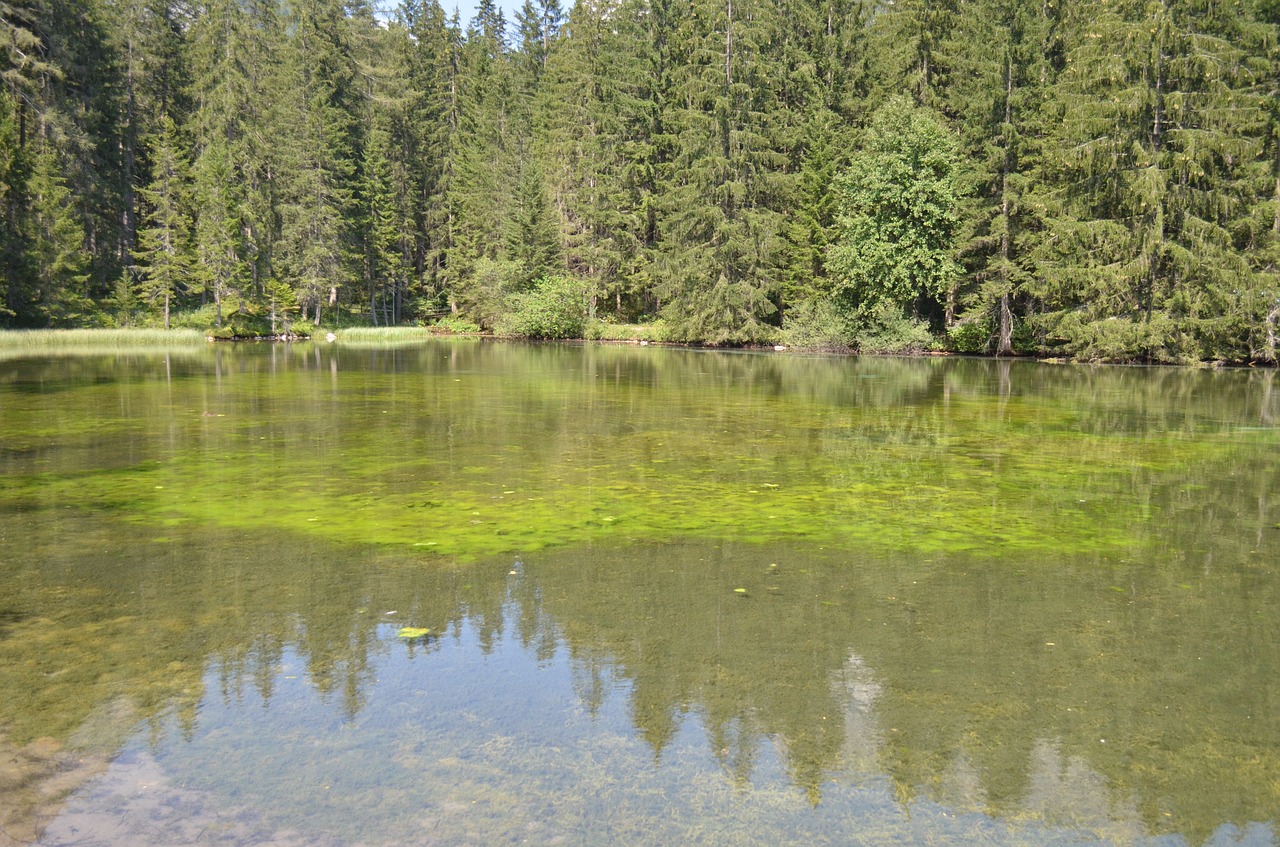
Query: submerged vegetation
[752,594]
[984,176]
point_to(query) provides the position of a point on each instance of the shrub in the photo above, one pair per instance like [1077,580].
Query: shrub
[456,325]
[886,330]
[970,336]
[555,308]
[815,325]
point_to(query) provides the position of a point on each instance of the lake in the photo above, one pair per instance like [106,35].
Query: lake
[464,592]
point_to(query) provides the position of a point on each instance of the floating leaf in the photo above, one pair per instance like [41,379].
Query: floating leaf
[412,632]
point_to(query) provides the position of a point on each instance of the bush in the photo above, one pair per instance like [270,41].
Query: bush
[456,325]
[597,330]
[555,308]
[970,336]
[815,325]
[887,330]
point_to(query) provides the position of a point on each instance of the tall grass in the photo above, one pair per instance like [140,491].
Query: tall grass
[36,340]
[380,336]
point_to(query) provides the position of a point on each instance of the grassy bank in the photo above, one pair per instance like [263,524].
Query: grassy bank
[45,339]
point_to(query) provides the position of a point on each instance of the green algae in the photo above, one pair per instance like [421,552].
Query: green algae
[348,454]
[1018,571]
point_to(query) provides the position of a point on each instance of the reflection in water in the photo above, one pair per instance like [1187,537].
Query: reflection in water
[746,600]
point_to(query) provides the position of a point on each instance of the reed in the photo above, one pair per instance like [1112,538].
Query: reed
[381,335]
[36,340]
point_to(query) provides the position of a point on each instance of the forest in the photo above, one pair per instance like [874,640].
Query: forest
[1096,179]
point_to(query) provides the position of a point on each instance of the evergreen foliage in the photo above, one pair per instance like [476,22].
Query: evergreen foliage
[1093,180]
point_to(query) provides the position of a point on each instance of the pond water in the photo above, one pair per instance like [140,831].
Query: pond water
[475,593]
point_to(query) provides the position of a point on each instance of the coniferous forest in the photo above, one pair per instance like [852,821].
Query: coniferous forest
[1091,178]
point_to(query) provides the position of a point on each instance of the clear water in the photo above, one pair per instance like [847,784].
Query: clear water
[672,597]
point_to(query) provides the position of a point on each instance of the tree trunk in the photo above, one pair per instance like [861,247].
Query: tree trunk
[1004,342]
[1273,318]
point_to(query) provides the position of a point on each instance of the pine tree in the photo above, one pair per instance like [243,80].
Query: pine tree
[58,263]
[431,54]
[14,202]
[389,190]
[908,45]
[1259,305]
[387,240]
[149,39]
[484,167]
[1153,133]
[1001,75]
[75,110]
[233,45]
[317,161]
[824,55]
[572,138]
[532,237]
[220,270]
[164,242]
[538,27]
[722,249]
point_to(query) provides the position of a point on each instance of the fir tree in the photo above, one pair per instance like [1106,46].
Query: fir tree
[722,249]
[998,88]
[164,242]
[1153,132]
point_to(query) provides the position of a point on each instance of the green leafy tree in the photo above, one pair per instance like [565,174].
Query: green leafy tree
[898,218]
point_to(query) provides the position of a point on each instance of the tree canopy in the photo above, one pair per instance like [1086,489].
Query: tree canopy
[980,175]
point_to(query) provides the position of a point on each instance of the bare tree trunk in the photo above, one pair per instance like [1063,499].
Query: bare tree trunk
[1004,343]
[1273,317]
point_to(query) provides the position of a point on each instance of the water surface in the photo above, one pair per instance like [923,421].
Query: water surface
[672,597]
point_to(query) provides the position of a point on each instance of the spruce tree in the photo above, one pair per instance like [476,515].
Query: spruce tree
[148,36]
[1147,162]
[14,202]
[1001,76]
[722,249]
[431,52]
[908,45]
[317,165]
[233,48]
[484,168]
[164,242]
[58,262]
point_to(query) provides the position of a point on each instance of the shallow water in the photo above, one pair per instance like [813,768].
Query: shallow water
[673,597]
